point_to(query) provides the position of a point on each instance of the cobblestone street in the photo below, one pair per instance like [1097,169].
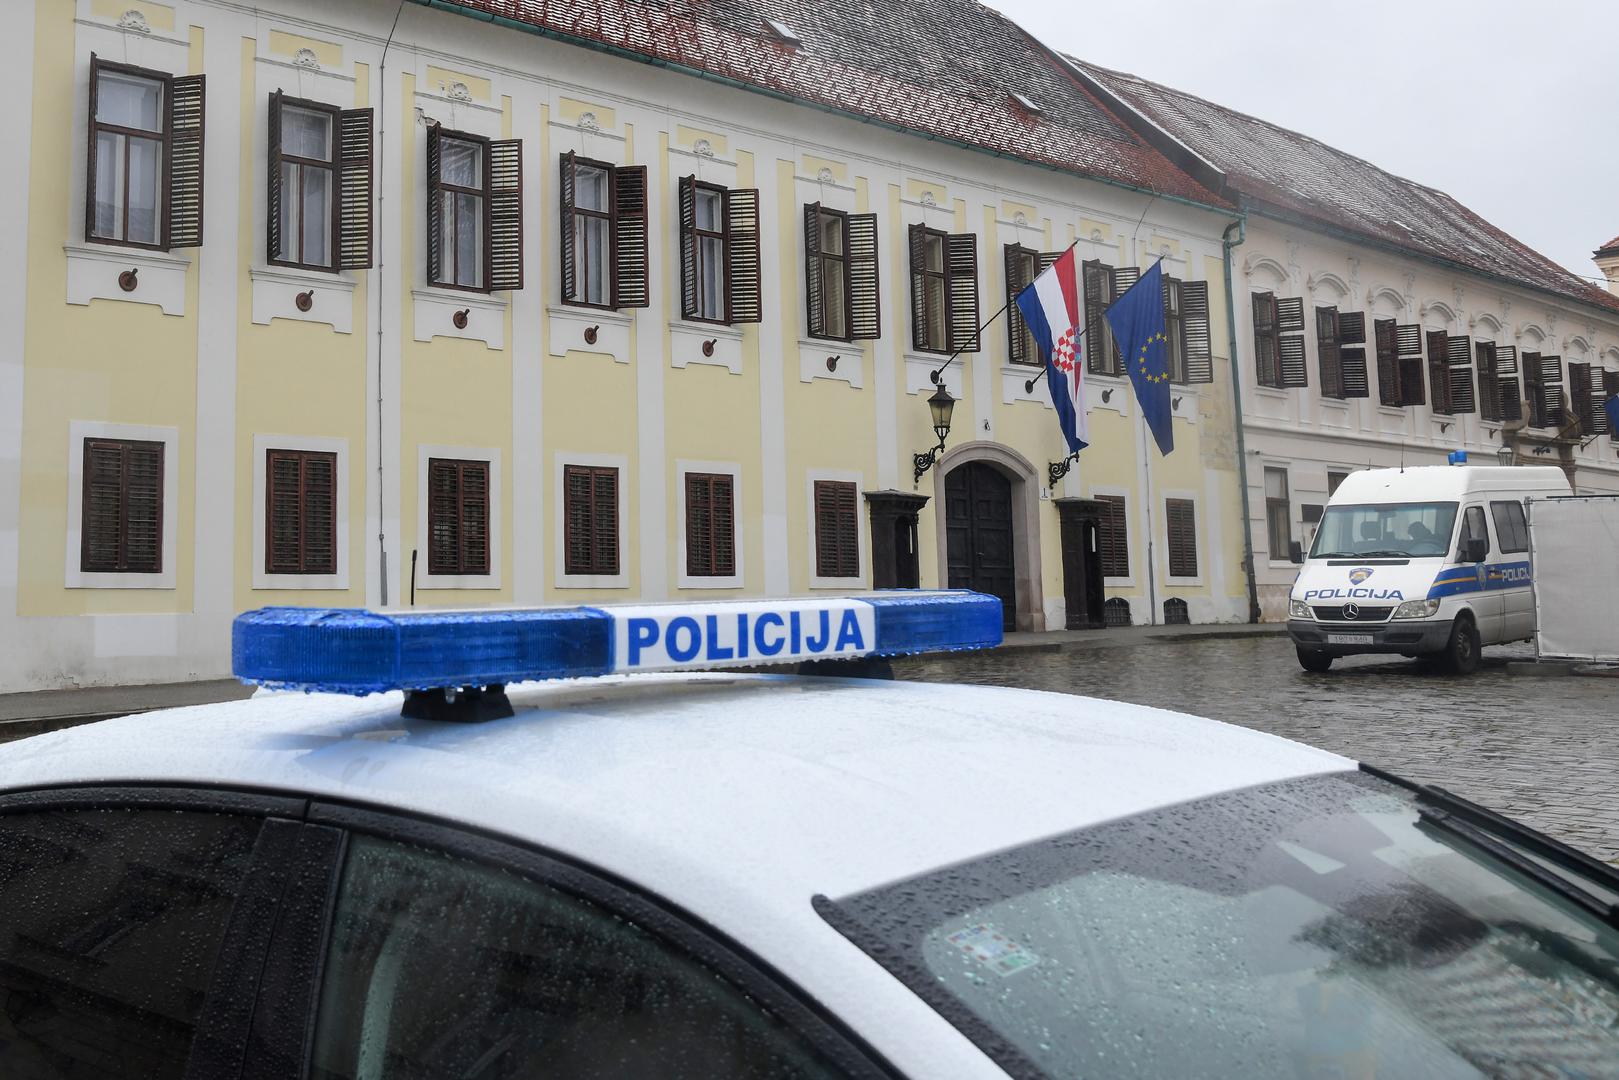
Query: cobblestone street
[1544,749]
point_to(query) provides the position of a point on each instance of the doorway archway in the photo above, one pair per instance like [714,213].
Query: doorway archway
[988,528]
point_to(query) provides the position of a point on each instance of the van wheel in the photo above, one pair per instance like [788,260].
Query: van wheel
[1461,655]
[1312,660]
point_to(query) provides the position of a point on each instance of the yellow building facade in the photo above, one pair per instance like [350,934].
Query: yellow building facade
[161,409]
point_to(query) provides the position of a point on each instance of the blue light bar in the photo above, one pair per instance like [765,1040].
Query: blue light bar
[353,651]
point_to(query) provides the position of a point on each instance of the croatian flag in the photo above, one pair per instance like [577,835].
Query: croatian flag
[1050,307]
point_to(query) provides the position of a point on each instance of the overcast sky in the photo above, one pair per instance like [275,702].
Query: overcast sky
[1510,107]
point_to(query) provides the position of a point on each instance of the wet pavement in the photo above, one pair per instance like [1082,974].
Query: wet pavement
[1543,749]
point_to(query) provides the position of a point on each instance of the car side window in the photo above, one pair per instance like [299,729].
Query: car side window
[1473,527]
[440,966]
[110,920]
[1510,527]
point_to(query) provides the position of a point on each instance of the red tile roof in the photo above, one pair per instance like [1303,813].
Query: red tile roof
[944,69]
[1293,175]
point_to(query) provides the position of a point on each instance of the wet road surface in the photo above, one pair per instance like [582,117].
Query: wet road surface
[1544,749]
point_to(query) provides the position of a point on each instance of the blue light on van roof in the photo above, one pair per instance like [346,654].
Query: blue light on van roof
[354,651]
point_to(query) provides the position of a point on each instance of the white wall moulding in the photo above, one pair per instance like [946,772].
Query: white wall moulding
[329,297]
[919,371]
[694,343]
[451,314]
[840,361]
[1112,395]
[588,330]
[1015,377]
[130,275]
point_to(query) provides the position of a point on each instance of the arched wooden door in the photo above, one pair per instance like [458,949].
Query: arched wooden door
[978,532]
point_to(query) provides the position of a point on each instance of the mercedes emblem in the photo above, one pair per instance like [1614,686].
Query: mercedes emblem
[1351,611]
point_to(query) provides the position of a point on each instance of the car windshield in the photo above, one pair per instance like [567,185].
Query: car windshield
[1310,927]
[1391,529]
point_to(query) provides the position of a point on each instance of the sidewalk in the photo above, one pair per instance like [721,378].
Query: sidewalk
[44,710]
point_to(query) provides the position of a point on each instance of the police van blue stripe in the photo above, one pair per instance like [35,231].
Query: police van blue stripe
[354,651]
[1495,576]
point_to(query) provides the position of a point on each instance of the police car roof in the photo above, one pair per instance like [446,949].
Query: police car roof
[741,795]
[1436,483]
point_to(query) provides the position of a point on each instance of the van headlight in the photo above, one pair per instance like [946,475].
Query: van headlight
[1298,609]
[1416,609]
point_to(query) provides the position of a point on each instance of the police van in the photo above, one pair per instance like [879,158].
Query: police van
[1426,562]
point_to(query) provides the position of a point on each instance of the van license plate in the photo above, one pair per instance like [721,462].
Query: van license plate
[1349,639]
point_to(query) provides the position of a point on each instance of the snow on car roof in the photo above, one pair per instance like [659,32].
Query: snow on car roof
[736,797]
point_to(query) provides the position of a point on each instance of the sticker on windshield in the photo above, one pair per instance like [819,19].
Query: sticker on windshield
[993,949]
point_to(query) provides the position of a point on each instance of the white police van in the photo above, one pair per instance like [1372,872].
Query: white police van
[1429,562]
[696,874]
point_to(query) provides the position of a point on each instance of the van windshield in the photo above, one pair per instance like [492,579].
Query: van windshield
[1414,530]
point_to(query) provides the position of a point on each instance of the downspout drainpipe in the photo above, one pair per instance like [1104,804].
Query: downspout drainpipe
[1241,225]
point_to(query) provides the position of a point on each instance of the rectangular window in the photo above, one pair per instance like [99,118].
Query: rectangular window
[1180,517]
[1586,385]
[944,291]
[300,512]
[143,185]
[1329,354]
[837,529]
[1510,527]
[1103,284]
[121,528]
[319,189]
[1352,353]
[1278,515]
[1023,265]
[1113,537]
[840,274]
[710,525]
[604,233]
[1439,373]
[457,516]
[1333,480]
[1472,529]
[590,519]
[1543,383]
[1267,355]
[474,211]
[1186,324]
[719,253]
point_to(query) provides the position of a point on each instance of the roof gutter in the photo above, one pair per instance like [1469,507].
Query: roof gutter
[737,84]
[1226,244]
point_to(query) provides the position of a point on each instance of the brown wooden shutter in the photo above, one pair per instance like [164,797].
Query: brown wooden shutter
[504,186]
[354,184]
[630,280]
[1408,340]
[272,185]
[710,525]
[814,304]
[1545,377]
[1489,383]
[443,517]
[590,519]
[1113,543]
[837,542]
[1328,352]
[1608,389]
[182,197]
[745,297]
[604,536]
[90,166]
[918,235]
[687,209]
[1195,332]
[1439,371]
[474,517]
[1506,368]
[724,511]
[1123,278]
[1459,351]
[1017,279]
[1579,389]
[1388,362]
[283,524]
[1352,353]
[566,183]
[1290,341]
[435,199]
[121,524]
[961,291]
[1098,285]
[1267,357]
[1181,521]
[865,313]
[319,513]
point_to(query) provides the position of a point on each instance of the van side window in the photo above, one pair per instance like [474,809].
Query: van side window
[1510,527]
[1473,527]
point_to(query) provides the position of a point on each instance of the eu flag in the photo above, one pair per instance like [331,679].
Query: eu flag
[1137,321]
